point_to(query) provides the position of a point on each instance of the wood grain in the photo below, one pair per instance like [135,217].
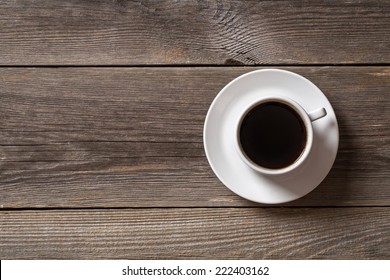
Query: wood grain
[304,233]
[132,137]
[120,32]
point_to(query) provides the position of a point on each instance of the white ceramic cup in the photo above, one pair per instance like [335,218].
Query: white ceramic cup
[306,118]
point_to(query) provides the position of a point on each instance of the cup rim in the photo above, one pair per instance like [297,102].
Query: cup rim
[309,135]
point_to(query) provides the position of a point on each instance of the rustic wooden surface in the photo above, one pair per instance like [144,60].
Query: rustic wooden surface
[102,105]
[132,137]
[332,233]
[118,32]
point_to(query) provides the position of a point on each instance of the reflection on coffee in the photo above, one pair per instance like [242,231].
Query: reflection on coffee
[272,135]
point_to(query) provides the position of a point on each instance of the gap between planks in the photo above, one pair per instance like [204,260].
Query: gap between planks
[194,65]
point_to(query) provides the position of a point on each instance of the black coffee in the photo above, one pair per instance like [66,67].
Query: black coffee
[272,135]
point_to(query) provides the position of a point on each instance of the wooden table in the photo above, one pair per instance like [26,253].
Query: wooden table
[102,111]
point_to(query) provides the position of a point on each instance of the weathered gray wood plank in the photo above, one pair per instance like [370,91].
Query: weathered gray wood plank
[256,233]
[193,32]
[132,137]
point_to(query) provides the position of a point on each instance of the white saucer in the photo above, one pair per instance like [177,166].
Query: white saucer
[219,129]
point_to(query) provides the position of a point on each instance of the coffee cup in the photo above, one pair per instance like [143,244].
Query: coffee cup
[274,135]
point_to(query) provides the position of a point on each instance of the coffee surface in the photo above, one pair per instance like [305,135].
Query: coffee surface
[272,135]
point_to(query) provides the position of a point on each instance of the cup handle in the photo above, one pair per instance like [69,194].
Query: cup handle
[317,114]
